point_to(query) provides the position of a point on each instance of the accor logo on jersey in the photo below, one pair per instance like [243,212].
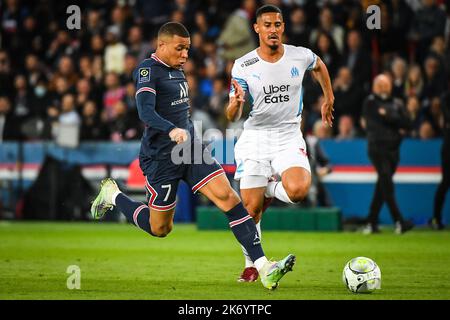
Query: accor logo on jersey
[274,94]
[184,92]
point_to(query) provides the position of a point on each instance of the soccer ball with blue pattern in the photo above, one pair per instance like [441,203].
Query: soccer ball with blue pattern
[362,275]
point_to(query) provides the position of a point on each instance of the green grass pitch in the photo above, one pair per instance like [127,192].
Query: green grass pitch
[118,261]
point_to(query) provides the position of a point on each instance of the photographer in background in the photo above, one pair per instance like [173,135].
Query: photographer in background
[384,118]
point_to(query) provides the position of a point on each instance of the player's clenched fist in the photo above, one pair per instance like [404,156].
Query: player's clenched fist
[178,135]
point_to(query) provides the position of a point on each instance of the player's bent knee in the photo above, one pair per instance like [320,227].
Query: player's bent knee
[297,193]
[161,231]
[228,195]
[253,208]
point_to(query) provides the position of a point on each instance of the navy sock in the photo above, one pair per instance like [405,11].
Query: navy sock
[244,229]
[136,212]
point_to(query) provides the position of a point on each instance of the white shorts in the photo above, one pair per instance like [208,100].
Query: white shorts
[268,153]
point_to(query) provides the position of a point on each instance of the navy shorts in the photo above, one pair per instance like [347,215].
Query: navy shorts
[163,176]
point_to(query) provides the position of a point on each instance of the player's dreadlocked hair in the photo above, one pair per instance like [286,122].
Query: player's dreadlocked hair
[173,29]
[266,9]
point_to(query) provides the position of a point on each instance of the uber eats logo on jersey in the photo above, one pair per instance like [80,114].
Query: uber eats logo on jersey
[275,94]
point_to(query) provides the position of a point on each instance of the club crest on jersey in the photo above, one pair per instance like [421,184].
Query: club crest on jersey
[294,72]
[144,75]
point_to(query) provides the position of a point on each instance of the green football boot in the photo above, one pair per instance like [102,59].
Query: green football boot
[273,271]
[103,201]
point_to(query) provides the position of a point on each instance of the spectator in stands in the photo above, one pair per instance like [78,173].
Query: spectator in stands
[217,102]
[50,122]
[23,101]
[33,70]
[348,96]
[114,51]
[212,59]
[346,128]
[53,59]
[61,45]
[119,22]
[327,25]
[325,48]
[236,38]
[151,14]
[92,128]
[124,125]
[426,131]
[398,70]
[437,50]
[429,22]
[130,98]
[114,93]
[357,59]
[6,76]
[136,44]
[61,87]
[435,84]
[130,64]
[29,36]
[97,72]
[414,82]
[85,67]
[83,93]
[94,24]
[297,30]
[414,111]
[97,45]
[208,29]
[322,131]
[187,10]
[41,98]
[69,114]
[400,17]
[433,114]
[8,123]
[198,101]
[386,41]
[13,14]
[65,70]
[320,167]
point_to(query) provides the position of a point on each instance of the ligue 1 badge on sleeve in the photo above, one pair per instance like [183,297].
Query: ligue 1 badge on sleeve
[144,75]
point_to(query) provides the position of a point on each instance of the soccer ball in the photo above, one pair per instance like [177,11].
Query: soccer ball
[362,275]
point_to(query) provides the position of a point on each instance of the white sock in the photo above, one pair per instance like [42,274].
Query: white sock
[114,196]
[276,189]
[259,263]
[248,261]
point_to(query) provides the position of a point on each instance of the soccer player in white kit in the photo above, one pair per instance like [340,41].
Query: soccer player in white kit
[271,143]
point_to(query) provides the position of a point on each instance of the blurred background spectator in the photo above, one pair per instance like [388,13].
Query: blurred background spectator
[49,73]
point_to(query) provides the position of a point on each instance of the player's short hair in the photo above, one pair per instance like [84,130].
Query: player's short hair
[173,29]
[267,9]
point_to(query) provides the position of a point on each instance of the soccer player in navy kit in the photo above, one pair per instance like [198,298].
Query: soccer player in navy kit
[163,104]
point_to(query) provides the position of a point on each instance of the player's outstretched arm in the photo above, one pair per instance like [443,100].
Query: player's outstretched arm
[320,73]
[146,103]
[236,103]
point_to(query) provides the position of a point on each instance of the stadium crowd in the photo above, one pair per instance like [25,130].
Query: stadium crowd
[51,75]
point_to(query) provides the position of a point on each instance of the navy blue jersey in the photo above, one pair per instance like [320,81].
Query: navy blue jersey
[162,98]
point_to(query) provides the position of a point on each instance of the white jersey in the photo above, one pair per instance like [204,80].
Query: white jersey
[275,89]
